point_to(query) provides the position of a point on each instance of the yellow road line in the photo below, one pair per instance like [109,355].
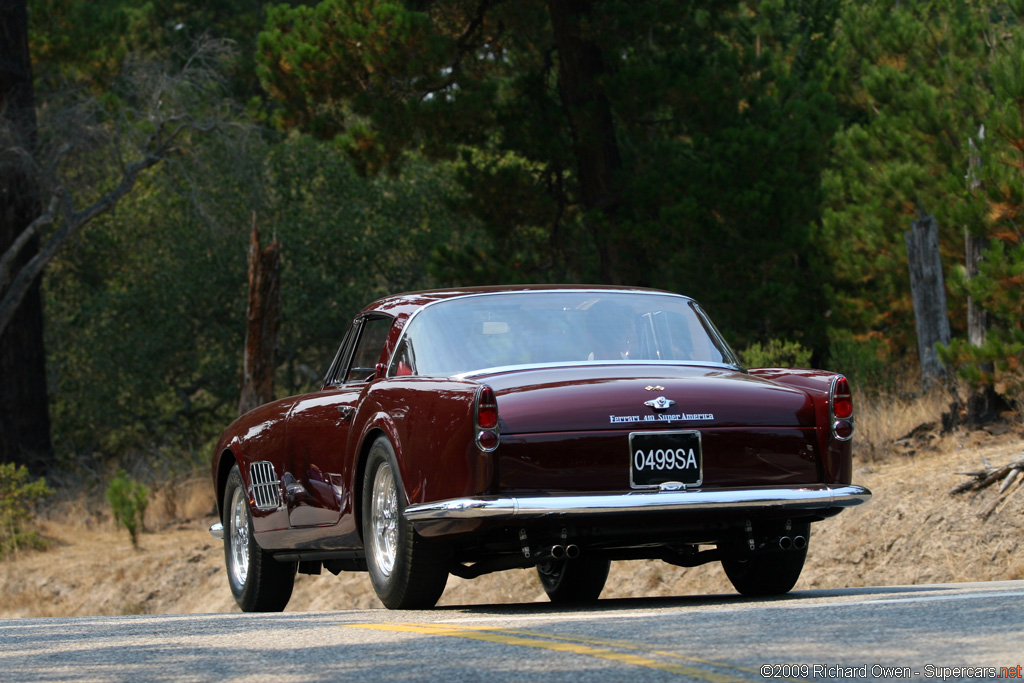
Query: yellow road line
[627,645]
[558,644]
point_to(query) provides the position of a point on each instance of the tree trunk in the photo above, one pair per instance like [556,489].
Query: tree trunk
[598,162]
[983,403]
[263,323]
[24,402]
[929,291]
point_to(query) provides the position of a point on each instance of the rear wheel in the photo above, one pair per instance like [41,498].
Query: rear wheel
[258,581]
[573,581]
[407,572]
[768,573]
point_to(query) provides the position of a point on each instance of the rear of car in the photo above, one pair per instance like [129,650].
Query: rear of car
[619,425]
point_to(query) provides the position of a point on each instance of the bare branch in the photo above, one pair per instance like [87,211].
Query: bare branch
[160,109]
[21,284]
[34,228]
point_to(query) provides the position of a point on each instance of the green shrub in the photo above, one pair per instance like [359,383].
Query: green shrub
[777,353]
[128,499]
[18,495]
[864,362]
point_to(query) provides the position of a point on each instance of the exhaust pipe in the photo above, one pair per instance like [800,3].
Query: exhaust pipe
[557,552]
[572,551]
[785,542]
[799,542]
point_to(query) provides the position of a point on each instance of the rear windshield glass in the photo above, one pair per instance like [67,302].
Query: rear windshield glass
[476,333]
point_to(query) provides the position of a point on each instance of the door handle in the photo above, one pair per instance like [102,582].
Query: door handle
[346,412]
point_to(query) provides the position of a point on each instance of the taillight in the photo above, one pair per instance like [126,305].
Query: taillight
[487,409]
[486,419]
[841,409]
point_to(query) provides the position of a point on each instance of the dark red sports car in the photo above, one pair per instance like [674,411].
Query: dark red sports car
[471,431]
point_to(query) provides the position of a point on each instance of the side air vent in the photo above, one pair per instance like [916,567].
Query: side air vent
[265,485]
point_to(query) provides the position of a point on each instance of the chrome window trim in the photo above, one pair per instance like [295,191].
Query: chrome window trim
[591,363]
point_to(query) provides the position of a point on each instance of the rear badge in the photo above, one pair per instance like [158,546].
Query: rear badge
[660,403]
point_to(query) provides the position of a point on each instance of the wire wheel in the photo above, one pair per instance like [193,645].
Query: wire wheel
[384,520]
[238,559]
[407,571]
[258,582]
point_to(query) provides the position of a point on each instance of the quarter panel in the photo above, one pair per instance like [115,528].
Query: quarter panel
[837,456]
[431,425]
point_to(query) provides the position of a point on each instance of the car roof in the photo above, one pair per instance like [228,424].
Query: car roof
[405,304]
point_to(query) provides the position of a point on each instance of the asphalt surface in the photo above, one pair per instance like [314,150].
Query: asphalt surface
[952,632]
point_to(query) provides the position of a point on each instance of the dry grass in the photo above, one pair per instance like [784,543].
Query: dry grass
[884,420]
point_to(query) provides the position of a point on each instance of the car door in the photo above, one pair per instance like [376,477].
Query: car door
[319,429]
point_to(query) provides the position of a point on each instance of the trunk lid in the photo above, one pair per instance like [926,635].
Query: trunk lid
[615,397]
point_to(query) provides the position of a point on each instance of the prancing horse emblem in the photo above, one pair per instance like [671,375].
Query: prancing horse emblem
[660,403]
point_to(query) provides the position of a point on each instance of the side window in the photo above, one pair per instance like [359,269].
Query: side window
[371,341]
[404,362]
[337,370]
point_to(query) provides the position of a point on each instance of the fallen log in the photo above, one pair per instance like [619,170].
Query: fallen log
[1007,474]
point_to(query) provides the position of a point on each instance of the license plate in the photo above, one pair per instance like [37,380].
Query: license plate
[656,458]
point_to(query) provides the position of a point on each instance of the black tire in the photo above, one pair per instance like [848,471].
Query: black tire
[572,582]
[766,573]
[258,581]
[407,571]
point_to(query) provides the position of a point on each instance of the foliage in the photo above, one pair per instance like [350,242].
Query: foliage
[147,310]
[776,353]
[865,362]
[128,502]
[716,118]
[86,43]
[912,81]
[999,289]
[18,496]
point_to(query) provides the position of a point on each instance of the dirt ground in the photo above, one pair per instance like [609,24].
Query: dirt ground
[912,531]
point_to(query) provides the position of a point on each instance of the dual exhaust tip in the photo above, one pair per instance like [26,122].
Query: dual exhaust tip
[570,552]
[792,543]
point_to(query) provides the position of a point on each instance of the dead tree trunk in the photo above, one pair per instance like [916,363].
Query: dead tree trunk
[929,291]
[983,403]
[262,323]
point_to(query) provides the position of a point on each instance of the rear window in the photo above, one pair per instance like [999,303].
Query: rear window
[483,332]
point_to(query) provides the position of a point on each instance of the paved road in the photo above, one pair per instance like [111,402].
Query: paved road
[921,632]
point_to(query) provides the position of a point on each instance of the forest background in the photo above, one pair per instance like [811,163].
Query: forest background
[765,158]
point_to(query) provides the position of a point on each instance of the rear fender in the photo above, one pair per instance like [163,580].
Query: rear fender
[430,425]
[836,461]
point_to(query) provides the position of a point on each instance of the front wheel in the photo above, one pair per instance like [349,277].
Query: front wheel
[407,571]
[258,581]
[573,581]
[766,574]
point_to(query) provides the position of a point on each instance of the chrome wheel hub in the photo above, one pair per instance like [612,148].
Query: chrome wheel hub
[384,520]
[238,537]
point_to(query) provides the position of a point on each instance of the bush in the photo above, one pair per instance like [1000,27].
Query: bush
[128,499]
[777,353]
[863,362]
[18,496]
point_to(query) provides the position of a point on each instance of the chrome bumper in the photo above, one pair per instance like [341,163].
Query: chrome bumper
[811,497]
[217,530]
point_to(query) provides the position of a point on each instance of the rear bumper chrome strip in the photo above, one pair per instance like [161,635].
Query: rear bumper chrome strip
[810,497]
